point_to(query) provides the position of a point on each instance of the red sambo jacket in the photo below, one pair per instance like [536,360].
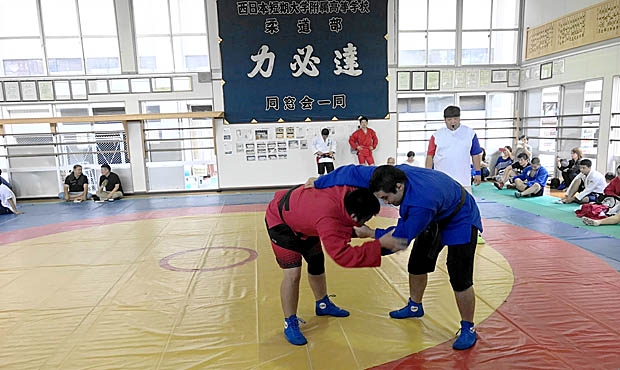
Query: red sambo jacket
[321,212]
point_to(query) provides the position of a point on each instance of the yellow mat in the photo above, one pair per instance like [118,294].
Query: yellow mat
[98,299]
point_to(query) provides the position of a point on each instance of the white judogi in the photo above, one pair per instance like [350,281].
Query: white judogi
[594,183]
[323,146]
[5,195]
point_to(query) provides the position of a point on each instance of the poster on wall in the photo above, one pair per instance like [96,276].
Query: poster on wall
[261,134]
[227,134]
[279,132]
[290,132]
[293,144]
[296,60]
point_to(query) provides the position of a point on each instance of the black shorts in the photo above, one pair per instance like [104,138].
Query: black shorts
[329,166]
[539,193]
[460,262]
[289,248]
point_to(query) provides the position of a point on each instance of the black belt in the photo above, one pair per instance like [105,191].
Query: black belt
[444,221]
[284,202]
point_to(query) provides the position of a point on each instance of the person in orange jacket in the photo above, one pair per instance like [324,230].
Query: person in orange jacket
[364,141]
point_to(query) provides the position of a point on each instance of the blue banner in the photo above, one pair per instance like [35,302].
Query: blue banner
[298,60]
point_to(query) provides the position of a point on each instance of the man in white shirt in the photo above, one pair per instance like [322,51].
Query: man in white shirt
[324,149]
[593,181]
[453,148]
[8,204]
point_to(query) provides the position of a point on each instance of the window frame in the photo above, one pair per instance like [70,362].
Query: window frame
[459,31]
[171,35]
[43,39]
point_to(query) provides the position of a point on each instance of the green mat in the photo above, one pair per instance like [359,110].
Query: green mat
[545,206]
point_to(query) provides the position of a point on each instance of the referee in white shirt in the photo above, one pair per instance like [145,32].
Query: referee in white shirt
[452,149]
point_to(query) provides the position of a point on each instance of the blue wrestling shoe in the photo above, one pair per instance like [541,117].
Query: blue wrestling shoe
[325,307]
[467,336]
[412,309]
[292,332]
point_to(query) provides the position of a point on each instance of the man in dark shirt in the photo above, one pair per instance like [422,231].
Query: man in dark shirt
[110,187]
[76,186]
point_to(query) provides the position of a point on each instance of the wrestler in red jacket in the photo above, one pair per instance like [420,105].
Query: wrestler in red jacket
[298,220]
[364,140]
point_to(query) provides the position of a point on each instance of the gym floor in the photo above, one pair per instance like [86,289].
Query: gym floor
[189,282]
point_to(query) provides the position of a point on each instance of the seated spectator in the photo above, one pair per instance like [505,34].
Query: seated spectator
[508,174]
[411,159]
[523,146]
[76,186]
[8,202]
[613,187]
[532,180]
[391,161]
[3,181]
[504,161]
[517,167]
[110,187]
[484,165]
[592,180]
[612,220]
[569,169]
[609,176]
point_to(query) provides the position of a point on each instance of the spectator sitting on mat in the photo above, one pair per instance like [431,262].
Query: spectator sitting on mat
[531,182]
[609,176]
[517,167]
[484,165]
[391,161]
[569,169]
[508,174]
[592,180]
[613,187]
[8,204]
[110,187]
[503,161]
[3,181]
[76,186]
[612,220]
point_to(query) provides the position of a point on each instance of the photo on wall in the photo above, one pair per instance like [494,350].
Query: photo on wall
[261,134]
[290,132]
[279,132]
[293,144]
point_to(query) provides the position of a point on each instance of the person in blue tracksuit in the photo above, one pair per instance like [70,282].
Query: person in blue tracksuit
[426,197]
[532,181]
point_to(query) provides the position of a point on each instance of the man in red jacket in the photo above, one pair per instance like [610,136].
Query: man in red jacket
[613,187]
[298,220]
[364,140]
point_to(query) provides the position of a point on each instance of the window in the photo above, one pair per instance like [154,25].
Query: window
[171,36]
[99,37]
[21,51]
[490,32]
[80,37]
[180,152]
[614,137]
[427,32]
[593,92]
